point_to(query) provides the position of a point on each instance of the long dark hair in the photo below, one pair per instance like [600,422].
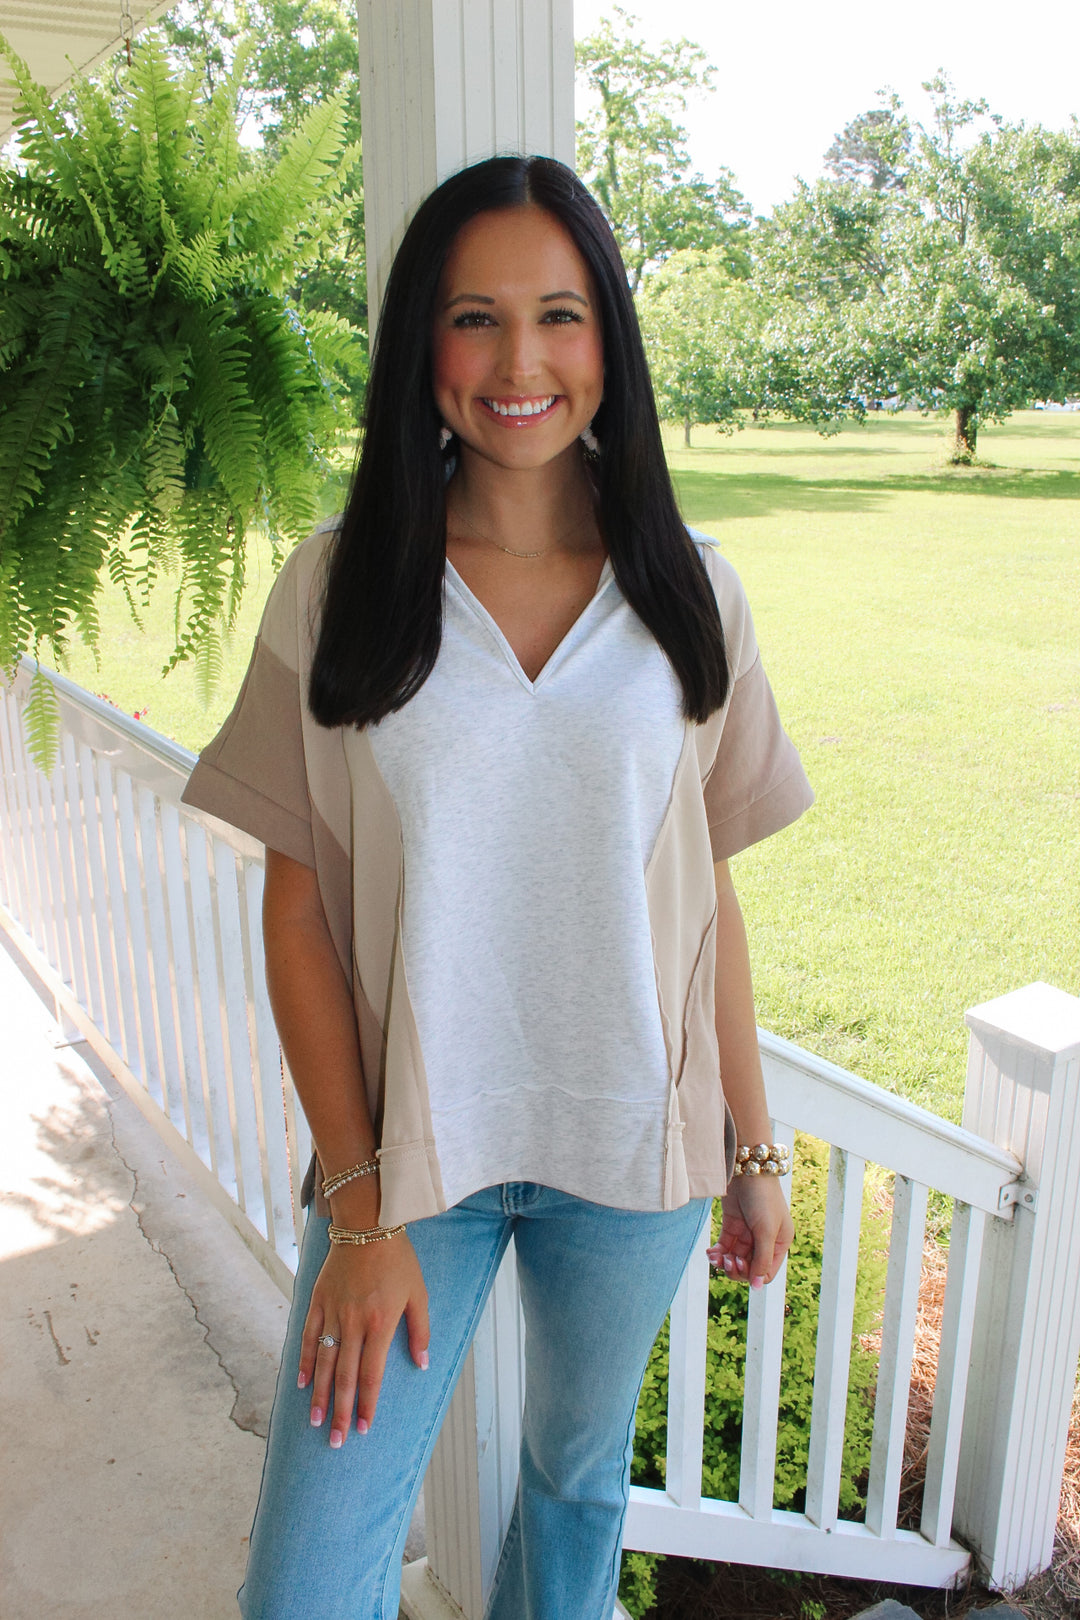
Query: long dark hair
[381,619]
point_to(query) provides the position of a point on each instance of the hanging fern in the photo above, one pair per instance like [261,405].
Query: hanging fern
[160,396]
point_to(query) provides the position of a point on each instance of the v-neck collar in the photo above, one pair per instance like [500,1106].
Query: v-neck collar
[572,636]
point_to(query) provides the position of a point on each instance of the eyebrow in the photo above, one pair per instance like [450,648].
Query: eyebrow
[548,298]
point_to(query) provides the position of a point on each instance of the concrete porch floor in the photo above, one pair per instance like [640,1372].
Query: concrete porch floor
[140,1343]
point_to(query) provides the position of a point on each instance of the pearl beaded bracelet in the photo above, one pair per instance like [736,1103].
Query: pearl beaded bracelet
[763,1159]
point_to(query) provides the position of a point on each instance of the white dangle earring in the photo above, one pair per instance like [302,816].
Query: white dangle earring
[589,440]
[445,435]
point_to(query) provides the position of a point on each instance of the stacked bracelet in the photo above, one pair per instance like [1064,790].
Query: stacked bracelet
[763,1159]
[377,1234]
[332,1183]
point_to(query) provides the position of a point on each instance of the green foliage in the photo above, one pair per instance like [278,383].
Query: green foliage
[637,1582]
[295,55]
[632,152]
[940,270]
[725,1367]
[163,396]
[41,718]
[874,148]
[697,320]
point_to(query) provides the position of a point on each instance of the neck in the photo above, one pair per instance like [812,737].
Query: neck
[536,509]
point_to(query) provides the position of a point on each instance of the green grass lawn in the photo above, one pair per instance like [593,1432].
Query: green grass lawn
[921,627]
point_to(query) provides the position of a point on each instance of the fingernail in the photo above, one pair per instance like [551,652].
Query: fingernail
[757,1282]
[301,1380]
[316,1416]
[423,1361]
[336,1437]
[362,1425]
[728,1264]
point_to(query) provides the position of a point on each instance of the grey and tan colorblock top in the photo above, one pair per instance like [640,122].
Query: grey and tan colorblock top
[317,795]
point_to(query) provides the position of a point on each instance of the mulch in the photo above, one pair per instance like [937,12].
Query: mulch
[694,1590]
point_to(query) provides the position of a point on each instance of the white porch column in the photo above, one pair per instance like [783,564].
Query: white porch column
[446,82]
[1023,1092]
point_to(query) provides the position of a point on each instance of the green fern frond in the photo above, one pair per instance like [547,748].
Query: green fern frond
[221,406]
[15,626]
[41,722]
[306,170]
[121,255]
[335,343]
[196,267]
[220,134]
[45,139]
[209,538]
[209,660]
[122,576]
[37,419]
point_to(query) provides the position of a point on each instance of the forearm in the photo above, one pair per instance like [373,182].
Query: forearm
[736,1025]
[316,1022]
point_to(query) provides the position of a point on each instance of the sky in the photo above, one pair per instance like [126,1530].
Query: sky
[790,76]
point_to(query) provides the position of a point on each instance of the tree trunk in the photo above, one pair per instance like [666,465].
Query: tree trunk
[687,424]
[965,429]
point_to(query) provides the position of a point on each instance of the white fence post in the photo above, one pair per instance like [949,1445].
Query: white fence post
[1023,1092]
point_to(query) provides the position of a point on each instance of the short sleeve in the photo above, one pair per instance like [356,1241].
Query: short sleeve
[754,784]
[253,774]
[757,784]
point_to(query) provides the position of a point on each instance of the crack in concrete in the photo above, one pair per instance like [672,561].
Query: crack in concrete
[65,1361]
[247,1427]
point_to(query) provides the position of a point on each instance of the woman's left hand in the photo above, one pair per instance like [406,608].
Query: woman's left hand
[756,1232]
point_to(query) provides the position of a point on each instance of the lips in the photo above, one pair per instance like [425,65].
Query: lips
[522,410]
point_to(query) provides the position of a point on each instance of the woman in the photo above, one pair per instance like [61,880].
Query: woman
[501,730]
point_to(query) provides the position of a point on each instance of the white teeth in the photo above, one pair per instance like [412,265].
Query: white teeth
[529,408]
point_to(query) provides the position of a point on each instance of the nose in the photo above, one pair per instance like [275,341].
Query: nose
[518,357]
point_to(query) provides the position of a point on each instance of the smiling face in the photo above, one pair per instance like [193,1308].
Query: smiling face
[517,358]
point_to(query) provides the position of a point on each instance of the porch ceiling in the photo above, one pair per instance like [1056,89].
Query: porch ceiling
[57,38]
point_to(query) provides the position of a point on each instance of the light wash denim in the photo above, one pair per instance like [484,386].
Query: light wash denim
[596,1283]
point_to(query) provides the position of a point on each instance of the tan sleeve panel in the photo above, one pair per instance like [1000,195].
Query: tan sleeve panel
[253,773]
[757,784]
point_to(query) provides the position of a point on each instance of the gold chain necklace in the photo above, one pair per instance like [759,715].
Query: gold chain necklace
[511,553]
[508,549]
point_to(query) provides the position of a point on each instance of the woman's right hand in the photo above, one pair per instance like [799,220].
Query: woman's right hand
[360,1295]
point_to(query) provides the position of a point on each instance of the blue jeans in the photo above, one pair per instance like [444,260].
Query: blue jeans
[596,1283]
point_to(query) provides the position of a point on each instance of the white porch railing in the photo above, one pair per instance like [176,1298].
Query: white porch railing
[143,918]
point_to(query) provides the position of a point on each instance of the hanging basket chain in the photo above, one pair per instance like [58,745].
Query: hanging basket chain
[127,27]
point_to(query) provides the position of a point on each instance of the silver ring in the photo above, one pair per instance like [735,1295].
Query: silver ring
[328,1340]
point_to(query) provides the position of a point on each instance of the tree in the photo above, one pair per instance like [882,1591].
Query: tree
[818,267]
[632,152]
[162,392]
[697,320]
[981,305]
[957,291]
[823,247]
[875,148]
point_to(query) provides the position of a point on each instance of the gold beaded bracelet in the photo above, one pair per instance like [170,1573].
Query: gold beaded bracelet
[763,1159]
[377,1234]
[332,1183]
